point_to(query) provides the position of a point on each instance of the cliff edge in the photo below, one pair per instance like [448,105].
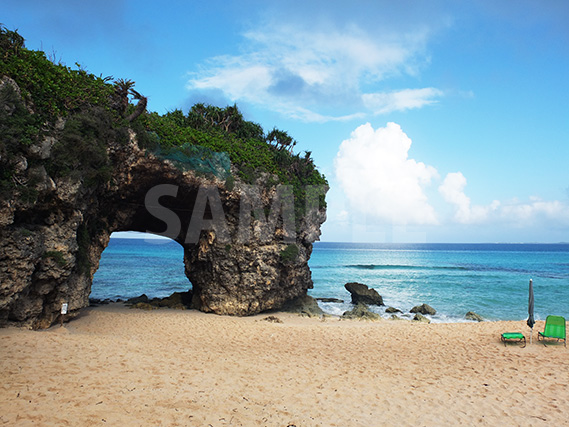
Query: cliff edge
[79,161]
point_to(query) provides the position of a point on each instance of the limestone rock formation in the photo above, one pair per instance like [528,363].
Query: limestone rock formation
[363,294]
[54,227]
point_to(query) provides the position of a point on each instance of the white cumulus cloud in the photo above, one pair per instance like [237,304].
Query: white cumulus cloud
[452,190]
[380,180]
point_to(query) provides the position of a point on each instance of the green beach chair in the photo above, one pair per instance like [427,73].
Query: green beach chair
[554,328]
[510,336]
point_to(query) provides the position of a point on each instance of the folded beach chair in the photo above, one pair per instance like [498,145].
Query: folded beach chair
[508,336]
[554,328]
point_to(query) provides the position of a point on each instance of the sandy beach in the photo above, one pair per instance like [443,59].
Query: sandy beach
[117,366]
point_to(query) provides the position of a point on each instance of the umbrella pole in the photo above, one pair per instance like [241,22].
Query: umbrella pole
[531,319]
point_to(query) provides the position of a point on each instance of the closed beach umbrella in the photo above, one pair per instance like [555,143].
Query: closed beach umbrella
[531,320]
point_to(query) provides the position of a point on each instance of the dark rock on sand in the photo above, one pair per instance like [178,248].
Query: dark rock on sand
[144,306]
[178,300]
[336,300]
[363,294]
[420,318]
[94,302]
[136,300]
[361,312]
[423,309]
[272,319]
[304,305]
[392,310]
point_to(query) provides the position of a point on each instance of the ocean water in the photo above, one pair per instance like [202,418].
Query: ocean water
[490,279]
[131,267]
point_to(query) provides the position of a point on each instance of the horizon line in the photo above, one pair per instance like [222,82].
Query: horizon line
[148,235]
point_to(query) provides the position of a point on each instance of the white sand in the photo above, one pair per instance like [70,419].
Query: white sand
[116,366]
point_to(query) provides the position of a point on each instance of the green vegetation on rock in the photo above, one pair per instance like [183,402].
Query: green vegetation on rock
[57,256]
[84,112]
[55,90]
[289,254]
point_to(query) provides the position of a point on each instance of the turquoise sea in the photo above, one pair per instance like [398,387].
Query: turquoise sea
[490,279]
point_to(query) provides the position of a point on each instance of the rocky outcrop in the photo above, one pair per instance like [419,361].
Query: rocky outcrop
[135,300]
[471,315]
[304,305]
[423,309]
[361,312]
[178,300]
[54,226]
[362,294]
[334,300]
[420,318]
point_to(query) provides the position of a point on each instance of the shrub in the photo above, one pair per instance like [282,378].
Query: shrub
[57,256]
[97,111]
[289,254]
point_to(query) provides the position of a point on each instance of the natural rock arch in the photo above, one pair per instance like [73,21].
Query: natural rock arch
[50,249]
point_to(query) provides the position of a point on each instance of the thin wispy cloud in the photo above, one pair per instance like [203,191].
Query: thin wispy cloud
[514,212]
[452,190]
[406,99]
[554,213]
[307,74]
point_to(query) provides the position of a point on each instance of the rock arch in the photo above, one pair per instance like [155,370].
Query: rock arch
[50,249]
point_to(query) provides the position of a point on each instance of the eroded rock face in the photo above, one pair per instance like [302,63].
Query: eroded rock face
[50,246]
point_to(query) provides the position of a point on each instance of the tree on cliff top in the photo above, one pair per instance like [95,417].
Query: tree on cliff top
[53,91]
[10,41]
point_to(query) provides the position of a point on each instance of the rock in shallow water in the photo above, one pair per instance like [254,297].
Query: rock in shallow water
[423,309]
[363,294]
[471,315]
[335,300]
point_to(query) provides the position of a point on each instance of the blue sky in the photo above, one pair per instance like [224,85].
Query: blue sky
[434,121]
